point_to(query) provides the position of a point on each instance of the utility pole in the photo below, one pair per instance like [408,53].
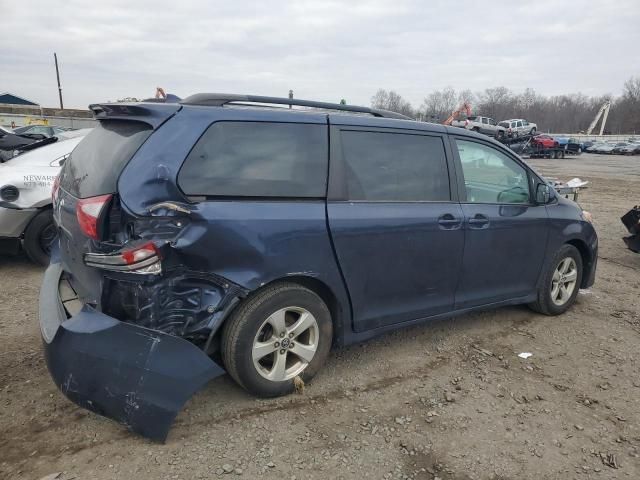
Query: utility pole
[55,57]
[290,96]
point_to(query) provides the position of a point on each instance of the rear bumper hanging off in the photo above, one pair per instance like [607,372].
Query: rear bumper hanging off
[136,376]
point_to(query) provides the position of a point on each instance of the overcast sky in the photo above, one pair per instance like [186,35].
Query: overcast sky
[323,50]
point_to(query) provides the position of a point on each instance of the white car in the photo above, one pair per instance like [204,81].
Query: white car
[25,198]
[608,147]
[517,127]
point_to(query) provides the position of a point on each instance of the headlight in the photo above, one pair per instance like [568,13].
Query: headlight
[586,216]
[9,193]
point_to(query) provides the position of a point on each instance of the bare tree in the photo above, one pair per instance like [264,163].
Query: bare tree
[392,101]
[569,113]
[439,104]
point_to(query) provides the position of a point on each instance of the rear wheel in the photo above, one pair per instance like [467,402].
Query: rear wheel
[281,333]
[560,282]
[39,237]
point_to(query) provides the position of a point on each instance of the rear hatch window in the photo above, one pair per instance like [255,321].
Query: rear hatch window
[95,164]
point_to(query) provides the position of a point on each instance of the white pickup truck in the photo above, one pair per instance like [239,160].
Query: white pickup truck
[481,124]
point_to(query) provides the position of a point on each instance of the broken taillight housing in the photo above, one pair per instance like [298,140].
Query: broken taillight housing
[89,213]
[143,258]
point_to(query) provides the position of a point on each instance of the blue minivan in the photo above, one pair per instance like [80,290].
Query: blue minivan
[249,235]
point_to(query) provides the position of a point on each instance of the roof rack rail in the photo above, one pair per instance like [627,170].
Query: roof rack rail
[220,99]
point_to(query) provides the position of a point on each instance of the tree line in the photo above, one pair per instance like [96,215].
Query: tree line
[571,113]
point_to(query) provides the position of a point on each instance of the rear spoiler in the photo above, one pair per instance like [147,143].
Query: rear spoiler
[154,114]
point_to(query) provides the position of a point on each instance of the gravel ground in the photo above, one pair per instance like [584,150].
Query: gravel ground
[448,400]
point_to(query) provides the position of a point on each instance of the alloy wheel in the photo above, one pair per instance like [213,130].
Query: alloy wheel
[563,282]
[285,344]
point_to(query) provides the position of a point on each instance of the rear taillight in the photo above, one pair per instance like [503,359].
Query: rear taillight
[139,258]
[89,212]
[55,188]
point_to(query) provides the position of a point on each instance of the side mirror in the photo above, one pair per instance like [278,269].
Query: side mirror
[543,193]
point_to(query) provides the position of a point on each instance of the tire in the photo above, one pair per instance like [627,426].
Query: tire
[476,129]
[253,323]
[532,131]
[545,302]
[39,236]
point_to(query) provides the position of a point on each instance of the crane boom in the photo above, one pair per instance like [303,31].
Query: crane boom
[466,106]
[604,109]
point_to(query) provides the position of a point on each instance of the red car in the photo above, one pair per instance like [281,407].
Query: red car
[544,141]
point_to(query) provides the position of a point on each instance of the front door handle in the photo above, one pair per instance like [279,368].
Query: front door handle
[478,221]
[449,222]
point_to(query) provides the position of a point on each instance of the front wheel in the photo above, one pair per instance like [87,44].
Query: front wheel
[560,282]
[280,333]
[39,237]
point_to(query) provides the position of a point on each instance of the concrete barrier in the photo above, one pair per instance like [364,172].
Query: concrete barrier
[18,120]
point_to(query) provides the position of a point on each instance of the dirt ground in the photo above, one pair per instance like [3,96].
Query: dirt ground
[448,400]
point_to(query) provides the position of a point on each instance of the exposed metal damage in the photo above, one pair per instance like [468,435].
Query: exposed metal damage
[187,304]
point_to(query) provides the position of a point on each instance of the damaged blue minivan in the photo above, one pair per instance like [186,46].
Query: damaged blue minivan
[249,235]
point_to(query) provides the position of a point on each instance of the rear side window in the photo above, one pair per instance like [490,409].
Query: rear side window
[382,166]
[95,164]
[257,159]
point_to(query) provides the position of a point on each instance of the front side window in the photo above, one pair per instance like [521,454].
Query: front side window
[485,120]
[398,167]
[490,176]
[258,159]
[519,124]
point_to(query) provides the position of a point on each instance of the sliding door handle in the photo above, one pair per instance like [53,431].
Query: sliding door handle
[478,221]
